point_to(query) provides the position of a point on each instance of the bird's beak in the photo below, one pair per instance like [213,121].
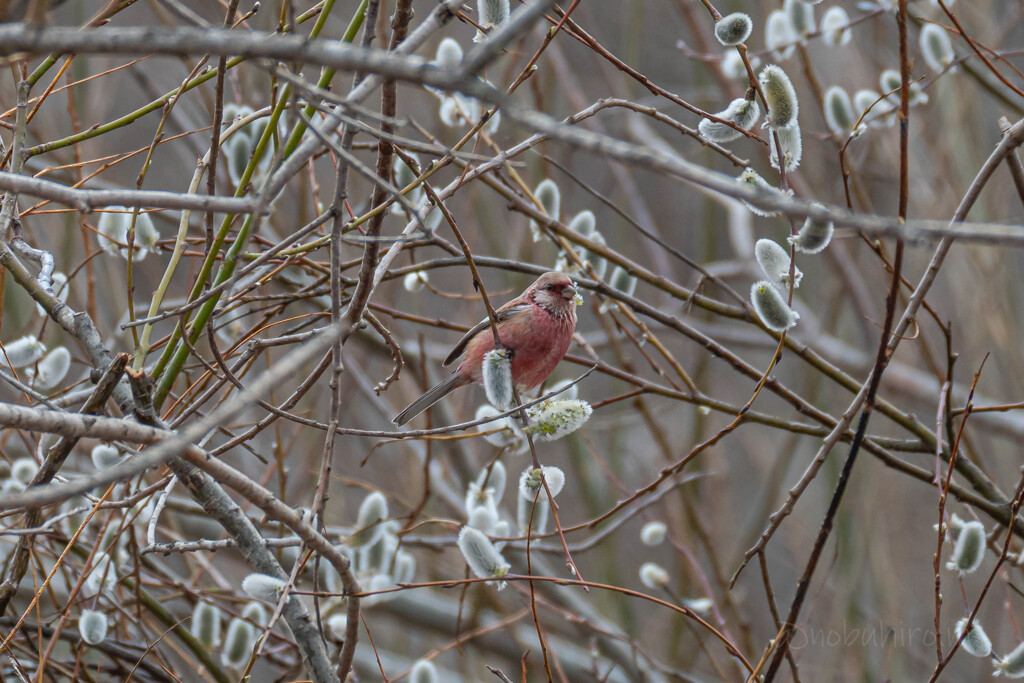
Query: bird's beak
[569,292]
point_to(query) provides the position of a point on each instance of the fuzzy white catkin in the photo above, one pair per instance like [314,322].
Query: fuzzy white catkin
[23,469]
[337,625]
[780,96]
[539,512]
[380,581]
[53,368]
[372,511]
[493,481]
[653,575]
[554,419]
[956,525]
[206,625]
[448,112]
[702,606]
[483,558]
[813,236]
[775,262]
[622,281]
[583,223]
[834,26]
[562,264]
[449,54]
[497,374]
[936,47]
[751,178]
[377,557]
[22,352]
[778,32]
[890,80]
[256,613]
[969,549]
[432,220]
[741,111]
[112,226]
[530,485]
[404,176]
[917,94]
[423,671]
[791,143]
[458,110]
[263,587]
[746,113]
[492,12]
[238,149]
[238,644]
[732,65]
[104,456]
[234,111]
[502,529]
[146,236]
[92,625]
[838,110]
[550,199]
[103,576]
[771,307]
[565,389]
[498,438]
[733,29]
[653,533]
[405,563]
[865,99]
[597,262]
[483,518]
[415,281]
[975,643]
[801,16]
[494,122]
[1012,665]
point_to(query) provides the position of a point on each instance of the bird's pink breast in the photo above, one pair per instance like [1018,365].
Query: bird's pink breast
[538,341]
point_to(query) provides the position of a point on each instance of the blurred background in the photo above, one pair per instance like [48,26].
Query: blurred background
[673,369]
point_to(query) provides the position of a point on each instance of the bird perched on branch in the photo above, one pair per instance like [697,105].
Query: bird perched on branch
[536,328]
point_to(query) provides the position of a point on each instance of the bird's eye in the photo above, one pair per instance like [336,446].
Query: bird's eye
[550,288]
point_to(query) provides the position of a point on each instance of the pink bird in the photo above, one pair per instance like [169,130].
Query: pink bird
[536,327]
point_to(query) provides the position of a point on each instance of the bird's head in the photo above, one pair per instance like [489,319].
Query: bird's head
[554,292]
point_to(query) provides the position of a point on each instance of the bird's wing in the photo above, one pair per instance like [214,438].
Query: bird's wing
[501,314]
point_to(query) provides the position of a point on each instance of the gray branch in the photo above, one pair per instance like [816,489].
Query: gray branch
[182,41]
[167,444]
[85,200]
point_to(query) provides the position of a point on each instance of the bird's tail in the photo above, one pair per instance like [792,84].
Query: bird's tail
[435,394]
